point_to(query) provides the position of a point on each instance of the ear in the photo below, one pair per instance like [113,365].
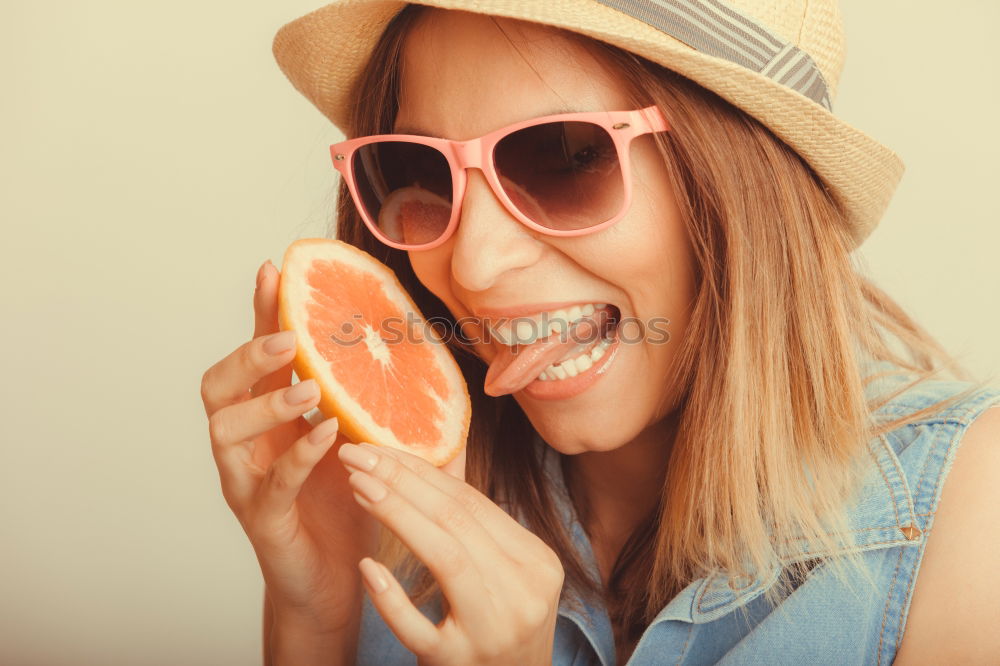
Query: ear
[456,466]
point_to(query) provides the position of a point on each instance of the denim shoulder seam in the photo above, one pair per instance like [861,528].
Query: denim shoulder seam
[960,417]
[899,485]
[964,414]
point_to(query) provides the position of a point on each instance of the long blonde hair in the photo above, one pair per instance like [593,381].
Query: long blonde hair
[769,370]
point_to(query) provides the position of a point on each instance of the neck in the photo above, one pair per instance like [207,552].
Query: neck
[617,489]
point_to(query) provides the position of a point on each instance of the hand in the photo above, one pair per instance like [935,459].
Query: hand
[501,583]
[294,505]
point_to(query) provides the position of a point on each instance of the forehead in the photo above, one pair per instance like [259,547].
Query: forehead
[465,74]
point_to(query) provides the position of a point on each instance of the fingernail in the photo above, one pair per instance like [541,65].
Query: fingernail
[278,343]
[373,575]
[350,454]
[324,431]
[302,392]
[262,272]
[370,489]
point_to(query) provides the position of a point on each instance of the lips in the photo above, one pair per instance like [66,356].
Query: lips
[513,368]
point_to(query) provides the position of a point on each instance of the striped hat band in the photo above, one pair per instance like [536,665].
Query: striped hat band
[718,29]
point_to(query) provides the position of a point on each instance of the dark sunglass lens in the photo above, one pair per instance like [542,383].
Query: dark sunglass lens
[562,175]
[405,188]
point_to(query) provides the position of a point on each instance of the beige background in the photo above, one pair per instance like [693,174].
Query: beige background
[153,156]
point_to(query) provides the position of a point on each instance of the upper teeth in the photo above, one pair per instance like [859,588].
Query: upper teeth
[530,329]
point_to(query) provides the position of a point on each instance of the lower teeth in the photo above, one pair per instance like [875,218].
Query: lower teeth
[572,367]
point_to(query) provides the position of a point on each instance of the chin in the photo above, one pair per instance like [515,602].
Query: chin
[576,437]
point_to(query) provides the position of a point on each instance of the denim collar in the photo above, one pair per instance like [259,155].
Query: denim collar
[881,515]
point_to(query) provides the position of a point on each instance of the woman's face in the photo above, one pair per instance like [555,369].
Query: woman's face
[462,78]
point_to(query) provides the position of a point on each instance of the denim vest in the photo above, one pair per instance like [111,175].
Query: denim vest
[821,621]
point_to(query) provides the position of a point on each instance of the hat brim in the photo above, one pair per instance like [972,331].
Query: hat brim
[323,52]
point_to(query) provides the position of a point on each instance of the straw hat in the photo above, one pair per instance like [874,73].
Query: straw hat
[778,60]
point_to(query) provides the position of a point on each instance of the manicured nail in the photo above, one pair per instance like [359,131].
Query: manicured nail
[302,392]
[351,454]
[279,343]
[324,431]
[260,273]
[369,488]
[373,575]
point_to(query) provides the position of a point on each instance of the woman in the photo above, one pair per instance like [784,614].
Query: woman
[751,474]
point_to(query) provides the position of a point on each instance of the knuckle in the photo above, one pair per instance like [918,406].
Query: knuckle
[421,467]
[274,406]
[218,429]
[554,572]
[552,559]
[207,381]
[549,570]
[251,355]
[469,498]
[452,561]
[391,471]
[453,517]
[546,554]
[534,611]
[413,464]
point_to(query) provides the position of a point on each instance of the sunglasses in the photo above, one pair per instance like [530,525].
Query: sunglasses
[562,175]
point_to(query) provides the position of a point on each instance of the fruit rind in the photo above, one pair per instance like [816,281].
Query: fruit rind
[307,360]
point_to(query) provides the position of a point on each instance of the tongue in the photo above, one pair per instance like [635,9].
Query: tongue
[516,367]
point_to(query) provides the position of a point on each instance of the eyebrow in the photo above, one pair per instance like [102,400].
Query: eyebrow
[421,131]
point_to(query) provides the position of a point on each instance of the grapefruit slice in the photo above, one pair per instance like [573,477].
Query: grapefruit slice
[382,370]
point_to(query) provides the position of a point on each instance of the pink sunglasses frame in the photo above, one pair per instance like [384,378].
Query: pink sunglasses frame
[622,126]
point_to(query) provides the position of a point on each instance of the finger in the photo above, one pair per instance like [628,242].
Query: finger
[456,466]
[265,305]
[446,511]
[519,543]
[262,322]
[418,634]
[234,426]
[286,475]
[246,420]
[446,557]
[227,382]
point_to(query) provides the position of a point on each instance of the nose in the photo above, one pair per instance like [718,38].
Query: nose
[489,241]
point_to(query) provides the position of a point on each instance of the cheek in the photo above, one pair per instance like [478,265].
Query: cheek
[432,269]
[651,244]
[660,272]
[659,219]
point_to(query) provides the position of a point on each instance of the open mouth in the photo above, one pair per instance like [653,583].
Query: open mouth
[562,353]
[588,351]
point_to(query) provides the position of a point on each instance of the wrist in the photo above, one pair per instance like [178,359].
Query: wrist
[297,640]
